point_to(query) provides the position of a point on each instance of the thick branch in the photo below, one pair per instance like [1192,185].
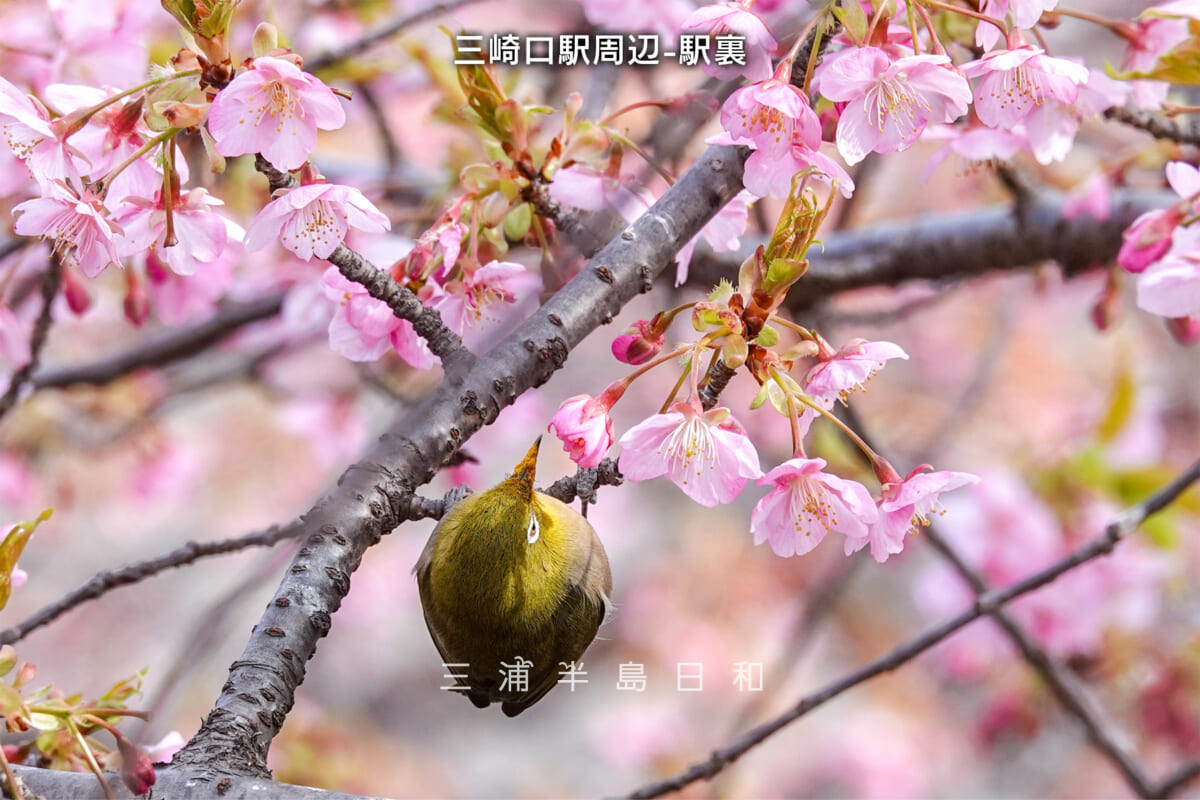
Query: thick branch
[985,604]
[950,246]
[370,496]
[172,345]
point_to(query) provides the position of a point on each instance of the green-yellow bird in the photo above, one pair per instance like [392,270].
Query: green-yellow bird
[513,574]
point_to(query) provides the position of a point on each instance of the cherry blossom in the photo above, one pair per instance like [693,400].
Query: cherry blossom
[583,425]
[705,453]
[836,377]
[468,304]
[767,115]
[720,19]
[313,220]
[363,328]
[805,503]
[903,505]
[1025,13]
[1015,82]
[723,233]
[275,109]
[26,127]
[200,233]
[890,100]
[771,175]
[79,226]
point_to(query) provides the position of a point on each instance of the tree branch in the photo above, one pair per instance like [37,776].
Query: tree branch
[51,281]
[104,582]
[985,604]
[950,246]
[172,345]
[1157,127]
[387,31]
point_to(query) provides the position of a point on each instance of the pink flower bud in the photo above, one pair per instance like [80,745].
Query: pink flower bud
[1186,330]
[1148,239]
[78,299]
[583,425]
[638,345]
[137,303]
[136,770]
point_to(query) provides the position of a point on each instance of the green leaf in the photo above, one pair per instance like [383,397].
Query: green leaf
[8,659]
[10,699]
[852,16]
[767,337]
[45,722]
[1121,402]
[10,551]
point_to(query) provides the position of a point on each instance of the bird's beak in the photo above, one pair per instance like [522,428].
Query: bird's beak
[525,472]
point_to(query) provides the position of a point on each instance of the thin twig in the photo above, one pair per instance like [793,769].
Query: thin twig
[1155,126]
[985,604]
[104,582]
[51,281]
[387,31]
[171,346]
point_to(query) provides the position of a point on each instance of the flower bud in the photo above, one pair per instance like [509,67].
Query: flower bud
[638,344]
[1186,330]
[136,770]
[137,302]
[78,298]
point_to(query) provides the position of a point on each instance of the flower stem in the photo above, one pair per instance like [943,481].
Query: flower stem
[966,12]
[79,121]
[91,758]
[134,156]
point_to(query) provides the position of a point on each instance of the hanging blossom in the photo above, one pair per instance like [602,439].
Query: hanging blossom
[890,100]
[771,175]
[585,428]
[200,233]
[364,329]
[805,503]
[1170,287]
[1148,238]
[468,305]
[275,109]
[82,232]
[707,454]
[721,19]
[313,220]
[903,505]
[1026,14]
[1015,82]
[767,115]
[838,375]
[1050,128]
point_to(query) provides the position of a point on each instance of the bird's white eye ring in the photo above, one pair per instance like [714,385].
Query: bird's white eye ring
[534,530]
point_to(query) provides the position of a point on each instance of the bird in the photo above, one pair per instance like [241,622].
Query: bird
[511,575]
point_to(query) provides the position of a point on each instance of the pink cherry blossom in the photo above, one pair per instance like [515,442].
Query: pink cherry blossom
[26,127]
[468,306]
[177,299]
[705,453]
[275,109]
[1148,239]
[363,328]
[313,220]
[720,19]
[1092,197]
[767,115]
[904,505]
[200,233]
[1025,13]
[1015,82]
[1149,38]
[583,425]
[723,233]
[836,377]
[1051,127]
[771,175]
[805,503]
[585,187]
[890,100]
[79,226]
